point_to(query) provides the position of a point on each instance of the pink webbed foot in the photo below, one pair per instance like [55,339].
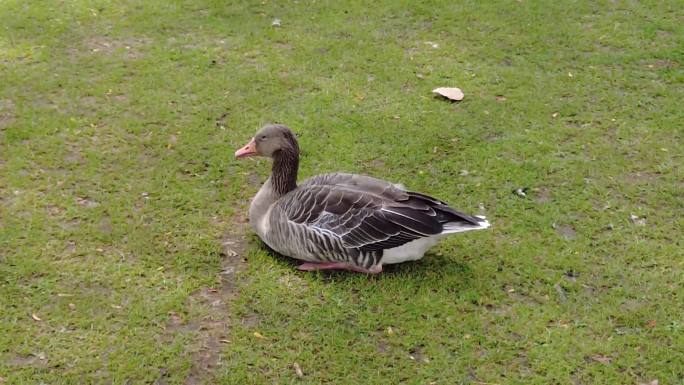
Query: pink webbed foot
[311,266]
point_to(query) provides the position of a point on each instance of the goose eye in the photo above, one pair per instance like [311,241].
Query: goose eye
[262,137]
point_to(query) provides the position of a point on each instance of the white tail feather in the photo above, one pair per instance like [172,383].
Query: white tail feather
[416,249]
[459,227]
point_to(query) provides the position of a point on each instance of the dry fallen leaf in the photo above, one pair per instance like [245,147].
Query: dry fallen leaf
[258,335]
[601,358]
[390,331]
[500,98]
[654,382]
[298,370]
[451,93]
[650,324]
[35,317]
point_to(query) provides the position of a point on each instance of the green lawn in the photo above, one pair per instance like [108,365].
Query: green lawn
[125,258]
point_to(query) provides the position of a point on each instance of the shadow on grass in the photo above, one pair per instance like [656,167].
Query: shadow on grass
[432,271]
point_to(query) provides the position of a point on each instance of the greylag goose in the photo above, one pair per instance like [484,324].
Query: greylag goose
[343,221]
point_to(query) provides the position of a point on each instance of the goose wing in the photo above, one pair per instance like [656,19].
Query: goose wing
[367,213]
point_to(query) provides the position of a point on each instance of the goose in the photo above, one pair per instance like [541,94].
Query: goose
[343,221]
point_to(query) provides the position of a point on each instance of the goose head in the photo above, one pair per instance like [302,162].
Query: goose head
[270,141]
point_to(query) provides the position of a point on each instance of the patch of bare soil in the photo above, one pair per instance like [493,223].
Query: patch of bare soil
[383,347]
[642,177]
[416,354]
[120,98]
[6,113]
[213,328]
[32,360]
[542,194]
[663,64]
[107,45]
[375,164]
[566,232]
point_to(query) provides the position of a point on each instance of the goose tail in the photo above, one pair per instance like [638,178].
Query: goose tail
[459,227]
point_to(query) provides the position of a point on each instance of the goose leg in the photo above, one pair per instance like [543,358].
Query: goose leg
[311,266]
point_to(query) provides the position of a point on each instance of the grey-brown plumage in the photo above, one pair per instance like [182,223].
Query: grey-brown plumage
[343,221]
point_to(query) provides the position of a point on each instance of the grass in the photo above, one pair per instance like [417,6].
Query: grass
[118,121]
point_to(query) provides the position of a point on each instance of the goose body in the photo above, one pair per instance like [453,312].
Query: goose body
[343,221]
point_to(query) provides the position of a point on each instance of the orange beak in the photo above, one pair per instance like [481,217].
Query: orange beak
[248,150]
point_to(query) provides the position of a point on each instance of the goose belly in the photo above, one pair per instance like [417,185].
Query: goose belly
[410,251]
